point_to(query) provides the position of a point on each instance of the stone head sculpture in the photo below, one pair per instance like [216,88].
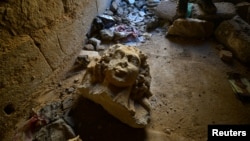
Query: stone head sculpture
[121,75]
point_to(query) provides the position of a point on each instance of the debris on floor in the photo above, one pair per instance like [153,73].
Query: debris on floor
[191,28]
[55,131]
[240,86]
[124,21]
[226,56]
[51,121]
[26,131]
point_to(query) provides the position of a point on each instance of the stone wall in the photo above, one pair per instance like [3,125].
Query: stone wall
[38,39]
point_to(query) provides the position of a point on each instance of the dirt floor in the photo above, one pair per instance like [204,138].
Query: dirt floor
[190,91]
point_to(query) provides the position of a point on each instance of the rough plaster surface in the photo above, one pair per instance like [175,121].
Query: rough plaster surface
[38,40]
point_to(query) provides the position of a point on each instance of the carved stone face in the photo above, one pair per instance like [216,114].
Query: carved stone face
[123,68]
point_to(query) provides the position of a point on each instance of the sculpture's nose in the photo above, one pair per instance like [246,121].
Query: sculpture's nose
[124,64]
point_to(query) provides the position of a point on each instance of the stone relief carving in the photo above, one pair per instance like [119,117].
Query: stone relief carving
[119,80]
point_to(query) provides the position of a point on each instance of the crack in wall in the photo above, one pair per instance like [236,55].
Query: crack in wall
[60,44]
[96,2]
[38,45]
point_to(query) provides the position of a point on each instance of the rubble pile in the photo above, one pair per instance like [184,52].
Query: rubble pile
[124,21]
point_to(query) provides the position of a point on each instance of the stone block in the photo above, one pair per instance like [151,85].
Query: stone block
[243,10]
[166,10]
[226,56]
[235,35]
[191,28]
[225,11]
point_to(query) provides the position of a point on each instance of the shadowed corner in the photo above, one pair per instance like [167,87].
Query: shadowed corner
[93,123]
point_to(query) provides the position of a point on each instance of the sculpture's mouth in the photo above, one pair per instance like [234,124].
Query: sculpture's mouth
[120,73]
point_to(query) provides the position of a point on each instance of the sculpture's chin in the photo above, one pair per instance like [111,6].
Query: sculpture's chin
[120,81]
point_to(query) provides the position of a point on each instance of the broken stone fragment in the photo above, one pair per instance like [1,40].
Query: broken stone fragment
[89,47]
[166,10]
[191,28]
[235,35]
[226,56]
[140,4]
[95,42]
[120,11]
[225,11]
[106,20]
[51,111]
[152,3]
[84,58]
[113,6]
[119,81]
[243,10]
[56,131]
[107,34]
[88,54]
[109,12]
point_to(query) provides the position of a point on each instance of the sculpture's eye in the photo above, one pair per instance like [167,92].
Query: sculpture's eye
[119,54]
[134,60]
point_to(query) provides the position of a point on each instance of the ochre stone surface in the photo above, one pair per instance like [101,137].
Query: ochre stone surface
[119,80]
[191,28]
[38,40]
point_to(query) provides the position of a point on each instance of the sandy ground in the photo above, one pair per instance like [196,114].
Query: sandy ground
[190,91]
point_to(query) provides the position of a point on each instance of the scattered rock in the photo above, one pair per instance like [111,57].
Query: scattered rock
[113,6]
[152,3]
[191,28]
[226,56]
[133,14]
[70,90]
[101,48]
[235,35]
[107,34]
[166,10]
[243,10]
[95,42]
[56,131]
[225,11]
[51,112]
[89,54]
[89,47]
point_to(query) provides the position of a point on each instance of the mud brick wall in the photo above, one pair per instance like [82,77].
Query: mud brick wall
[39,39]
